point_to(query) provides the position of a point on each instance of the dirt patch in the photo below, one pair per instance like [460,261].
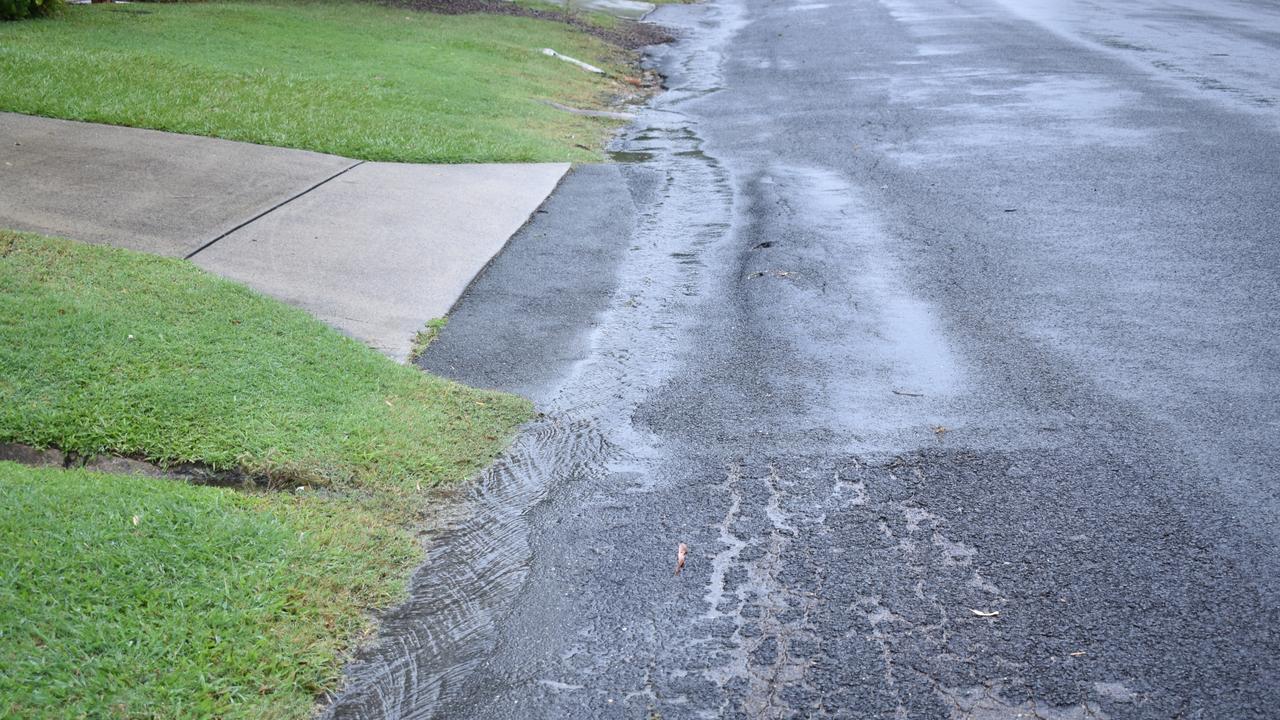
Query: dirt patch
[194,473]
[627,34]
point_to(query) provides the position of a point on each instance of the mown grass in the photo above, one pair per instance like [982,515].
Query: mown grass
[353,79]
[140,597]
[108,350]
[214,603]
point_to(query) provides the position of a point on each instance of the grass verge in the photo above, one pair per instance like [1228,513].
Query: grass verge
[108,350]
[141,597]
[354,79]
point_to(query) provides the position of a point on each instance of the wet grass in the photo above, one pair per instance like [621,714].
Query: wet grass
[108,350]
[142,597]
[212,603]
[354,79]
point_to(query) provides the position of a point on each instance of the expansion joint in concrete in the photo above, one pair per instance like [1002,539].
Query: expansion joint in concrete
[271,209]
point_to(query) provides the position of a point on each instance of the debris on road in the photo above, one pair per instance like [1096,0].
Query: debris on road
[681,552]
[984,613]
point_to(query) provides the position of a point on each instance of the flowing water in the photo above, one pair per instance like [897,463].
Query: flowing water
[840,370]
[478,551]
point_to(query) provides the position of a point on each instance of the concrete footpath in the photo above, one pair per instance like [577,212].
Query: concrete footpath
[374,249]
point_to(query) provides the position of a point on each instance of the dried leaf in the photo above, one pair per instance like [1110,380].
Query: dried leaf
[681,552]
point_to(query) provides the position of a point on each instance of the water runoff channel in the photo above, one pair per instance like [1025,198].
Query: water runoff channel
[478,549]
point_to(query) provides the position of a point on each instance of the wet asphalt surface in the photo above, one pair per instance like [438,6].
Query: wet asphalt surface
[944,335]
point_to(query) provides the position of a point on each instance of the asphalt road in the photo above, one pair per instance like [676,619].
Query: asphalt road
[945,335]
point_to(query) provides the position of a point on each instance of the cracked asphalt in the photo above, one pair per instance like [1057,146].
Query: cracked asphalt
[942,331]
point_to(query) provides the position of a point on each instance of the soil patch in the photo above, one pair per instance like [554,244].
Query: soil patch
[194,473]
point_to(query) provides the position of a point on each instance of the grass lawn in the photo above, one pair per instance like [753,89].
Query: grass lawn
[103,349]
[214,602]
[354,79]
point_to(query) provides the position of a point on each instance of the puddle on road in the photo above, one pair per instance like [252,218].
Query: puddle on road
[630,156]
[890,371]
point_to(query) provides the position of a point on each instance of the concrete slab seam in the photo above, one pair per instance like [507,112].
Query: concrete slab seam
[271,209]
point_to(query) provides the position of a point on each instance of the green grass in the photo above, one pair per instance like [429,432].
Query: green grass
[211,603]
[216,602]
[427,335]
[594,17]
[353,79]
[103,349]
